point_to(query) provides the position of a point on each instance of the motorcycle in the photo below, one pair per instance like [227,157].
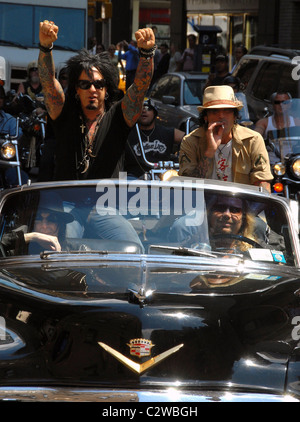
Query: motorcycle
[9,159]
[163,170]
[284,152]
[33,124]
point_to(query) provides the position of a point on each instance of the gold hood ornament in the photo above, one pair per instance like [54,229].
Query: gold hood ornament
[140,348]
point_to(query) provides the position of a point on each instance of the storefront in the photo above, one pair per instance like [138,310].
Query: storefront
[238,20]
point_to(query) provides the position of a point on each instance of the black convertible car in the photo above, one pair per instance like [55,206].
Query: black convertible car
[187,290]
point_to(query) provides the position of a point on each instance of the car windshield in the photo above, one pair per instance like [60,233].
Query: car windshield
[192,91]
[154,218]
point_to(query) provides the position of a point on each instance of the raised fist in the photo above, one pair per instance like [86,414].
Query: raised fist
[48,33]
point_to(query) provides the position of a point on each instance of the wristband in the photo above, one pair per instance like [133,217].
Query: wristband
[45,49]
[147,54]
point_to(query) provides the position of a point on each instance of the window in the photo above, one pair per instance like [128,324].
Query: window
[192,91]
[245,72]
[20,24]
[267,80]
[174,89]
[287,83]
[160,88]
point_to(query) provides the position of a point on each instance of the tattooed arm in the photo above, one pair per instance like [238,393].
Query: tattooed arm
[53,92]
[133,101]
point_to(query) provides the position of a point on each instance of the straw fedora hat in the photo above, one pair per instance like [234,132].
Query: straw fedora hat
[219,96]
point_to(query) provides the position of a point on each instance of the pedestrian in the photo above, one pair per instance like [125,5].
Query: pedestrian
[239,51]
[90,128]
[131,56]
[220,148]
[188,56]
[92,45]
[174,64]
[100,48]
[163,64]
[157,140]
[112,54]
[222,71]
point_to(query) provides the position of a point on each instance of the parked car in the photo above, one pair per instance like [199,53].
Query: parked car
[267,70]
[150,297]
[177,96]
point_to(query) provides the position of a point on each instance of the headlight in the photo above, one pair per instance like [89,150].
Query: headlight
[168,175]
[279,169]
[8,150]
[296,167]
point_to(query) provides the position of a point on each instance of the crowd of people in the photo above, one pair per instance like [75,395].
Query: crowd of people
[91,123]
[92,126]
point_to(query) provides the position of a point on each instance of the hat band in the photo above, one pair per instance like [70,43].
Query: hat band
[220,102]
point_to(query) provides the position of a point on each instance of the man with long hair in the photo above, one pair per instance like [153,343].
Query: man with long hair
[91,126]
[221,149]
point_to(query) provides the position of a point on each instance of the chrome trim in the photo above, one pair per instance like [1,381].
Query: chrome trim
[171,395]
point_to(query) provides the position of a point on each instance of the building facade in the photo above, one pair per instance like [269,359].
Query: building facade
[250,22]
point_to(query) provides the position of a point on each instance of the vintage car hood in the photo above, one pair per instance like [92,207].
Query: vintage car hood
[141,323]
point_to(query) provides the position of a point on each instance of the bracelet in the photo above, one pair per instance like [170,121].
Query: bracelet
[147,54]
[45,49]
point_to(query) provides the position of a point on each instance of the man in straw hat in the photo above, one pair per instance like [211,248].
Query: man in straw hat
[220,148]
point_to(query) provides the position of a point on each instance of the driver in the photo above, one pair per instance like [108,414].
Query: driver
[232,228]
[228,217]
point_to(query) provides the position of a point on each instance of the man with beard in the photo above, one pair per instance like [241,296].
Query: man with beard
[32,86]
[158,142]
[90,124]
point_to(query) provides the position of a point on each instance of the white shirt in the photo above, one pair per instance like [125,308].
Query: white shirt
[223,163]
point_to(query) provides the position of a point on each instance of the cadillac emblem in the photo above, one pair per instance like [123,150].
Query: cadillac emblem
[140,347]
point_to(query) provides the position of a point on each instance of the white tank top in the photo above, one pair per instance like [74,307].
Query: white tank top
[271,127]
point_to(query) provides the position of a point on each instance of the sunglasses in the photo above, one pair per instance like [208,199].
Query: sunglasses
[147,108]
[98,84]
[280,102]
[33,69]
[51,218]
[221,209]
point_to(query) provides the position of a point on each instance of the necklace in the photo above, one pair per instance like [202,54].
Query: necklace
[148,136]
[88,143]
[220,153]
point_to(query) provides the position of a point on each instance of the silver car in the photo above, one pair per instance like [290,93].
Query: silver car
[177,96]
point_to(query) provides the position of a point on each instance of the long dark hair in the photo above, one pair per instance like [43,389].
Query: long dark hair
[85,61]
[203,123]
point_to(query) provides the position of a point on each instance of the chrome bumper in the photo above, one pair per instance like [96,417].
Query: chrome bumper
[39,394]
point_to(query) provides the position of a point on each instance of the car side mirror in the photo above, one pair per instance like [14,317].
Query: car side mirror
[168,99]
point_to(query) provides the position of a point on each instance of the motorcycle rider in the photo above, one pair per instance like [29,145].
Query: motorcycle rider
[281,118]
[157,141]
[90,128]
[8,125]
